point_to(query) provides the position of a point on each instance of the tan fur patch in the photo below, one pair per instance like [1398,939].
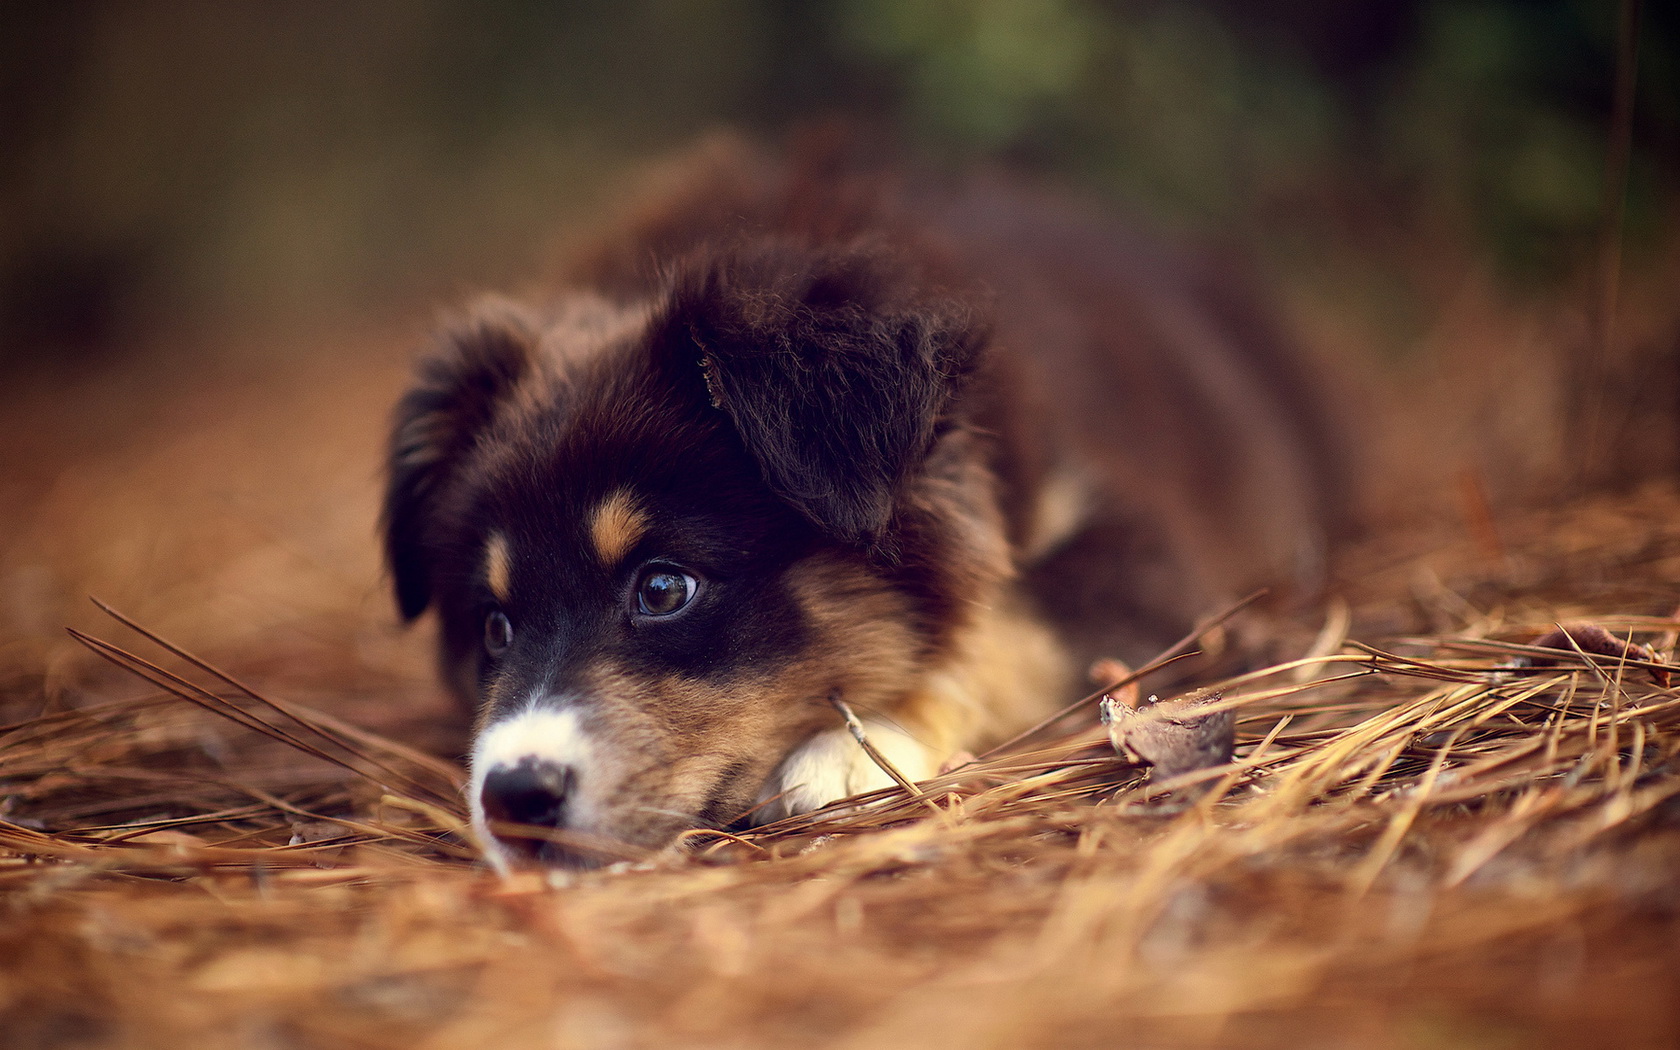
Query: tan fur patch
[864,646]
[617,525]
[672,738]
[498,573]
[1062,506]
[1004,669]
[1007,670]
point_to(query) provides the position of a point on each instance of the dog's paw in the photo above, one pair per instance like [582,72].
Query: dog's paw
[832,766]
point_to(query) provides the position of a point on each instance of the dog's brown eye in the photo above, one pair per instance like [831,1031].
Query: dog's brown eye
[498,633]
[664,591]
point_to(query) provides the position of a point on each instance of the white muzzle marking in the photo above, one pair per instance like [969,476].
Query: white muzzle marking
[543,732]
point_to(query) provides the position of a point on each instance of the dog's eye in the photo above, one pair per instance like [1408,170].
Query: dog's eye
[664,591]
[498,633]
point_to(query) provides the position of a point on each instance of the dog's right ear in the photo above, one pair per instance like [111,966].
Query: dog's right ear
[835,366]
[454,399]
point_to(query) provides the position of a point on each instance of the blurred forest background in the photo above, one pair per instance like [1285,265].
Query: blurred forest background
[225,228]
[171,166]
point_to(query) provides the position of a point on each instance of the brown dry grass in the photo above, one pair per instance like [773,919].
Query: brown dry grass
[1417,846]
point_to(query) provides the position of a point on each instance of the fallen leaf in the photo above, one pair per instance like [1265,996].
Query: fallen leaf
[1173,736]
[1591,638]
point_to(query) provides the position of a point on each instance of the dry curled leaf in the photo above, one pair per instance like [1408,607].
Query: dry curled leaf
[1591,638]
[1174,736]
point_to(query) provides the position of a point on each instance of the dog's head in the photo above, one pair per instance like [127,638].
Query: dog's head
[661,534]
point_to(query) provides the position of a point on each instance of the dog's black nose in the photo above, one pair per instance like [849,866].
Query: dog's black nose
[532,793]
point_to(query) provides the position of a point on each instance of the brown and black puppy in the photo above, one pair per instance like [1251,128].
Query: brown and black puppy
[800,435]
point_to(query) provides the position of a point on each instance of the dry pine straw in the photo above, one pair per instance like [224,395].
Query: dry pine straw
[1435,841]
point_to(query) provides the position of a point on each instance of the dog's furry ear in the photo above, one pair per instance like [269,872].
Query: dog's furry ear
[454,398]
[836,373]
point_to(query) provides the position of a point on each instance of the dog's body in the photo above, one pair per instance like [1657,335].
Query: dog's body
[797,437]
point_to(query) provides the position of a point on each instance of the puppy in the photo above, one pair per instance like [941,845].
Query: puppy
[804,433]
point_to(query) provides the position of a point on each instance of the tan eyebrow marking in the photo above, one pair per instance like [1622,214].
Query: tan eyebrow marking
[498,572]
[617,525]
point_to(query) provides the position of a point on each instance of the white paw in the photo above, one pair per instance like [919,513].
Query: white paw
[832,766]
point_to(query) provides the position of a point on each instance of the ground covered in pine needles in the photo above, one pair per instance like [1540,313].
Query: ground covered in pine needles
[224,820]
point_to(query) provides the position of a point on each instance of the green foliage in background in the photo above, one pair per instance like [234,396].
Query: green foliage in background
[1161,103]
[1503,113]
[1493,112]
[263,162]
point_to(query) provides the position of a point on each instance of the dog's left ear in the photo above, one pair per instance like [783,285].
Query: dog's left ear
[454,400]
[836,373]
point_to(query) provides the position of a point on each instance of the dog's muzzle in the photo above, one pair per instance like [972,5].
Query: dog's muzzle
[527,791]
